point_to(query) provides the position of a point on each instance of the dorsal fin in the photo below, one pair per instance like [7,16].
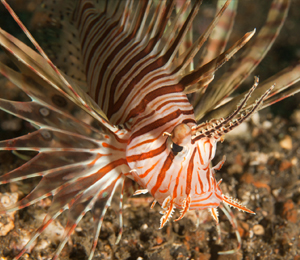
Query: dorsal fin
[59,38]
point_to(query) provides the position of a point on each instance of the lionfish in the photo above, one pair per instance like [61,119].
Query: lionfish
[129,99]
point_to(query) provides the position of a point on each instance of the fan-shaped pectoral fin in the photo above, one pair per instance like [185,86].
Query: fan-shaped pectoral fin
[236,204]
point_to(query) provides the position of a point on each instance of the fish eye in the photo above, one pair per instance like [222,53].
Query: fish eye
[176,148]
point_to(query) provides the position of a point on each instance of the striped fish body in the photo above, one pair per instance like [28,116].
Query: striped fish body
[135,87]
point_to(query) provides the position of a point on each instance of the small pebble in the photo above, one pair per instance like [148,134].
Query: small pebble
[258,230]
[78,229]
[257,158]
[294,161]
[7,222]
[267,124]
[41,245]
[276,192]
[255,118]
[289,211]
[255,132]
[286,142]
[144,227]
[296,116]
[285,164]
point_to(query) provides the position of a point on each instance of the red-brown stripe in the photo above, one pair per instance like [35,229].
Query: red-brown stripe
[161,176]
[200,182]
[149,170]
[80,11]
[177,183]
[200,156]
[208,179]
[147,155]
[96,45]
[189,176]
